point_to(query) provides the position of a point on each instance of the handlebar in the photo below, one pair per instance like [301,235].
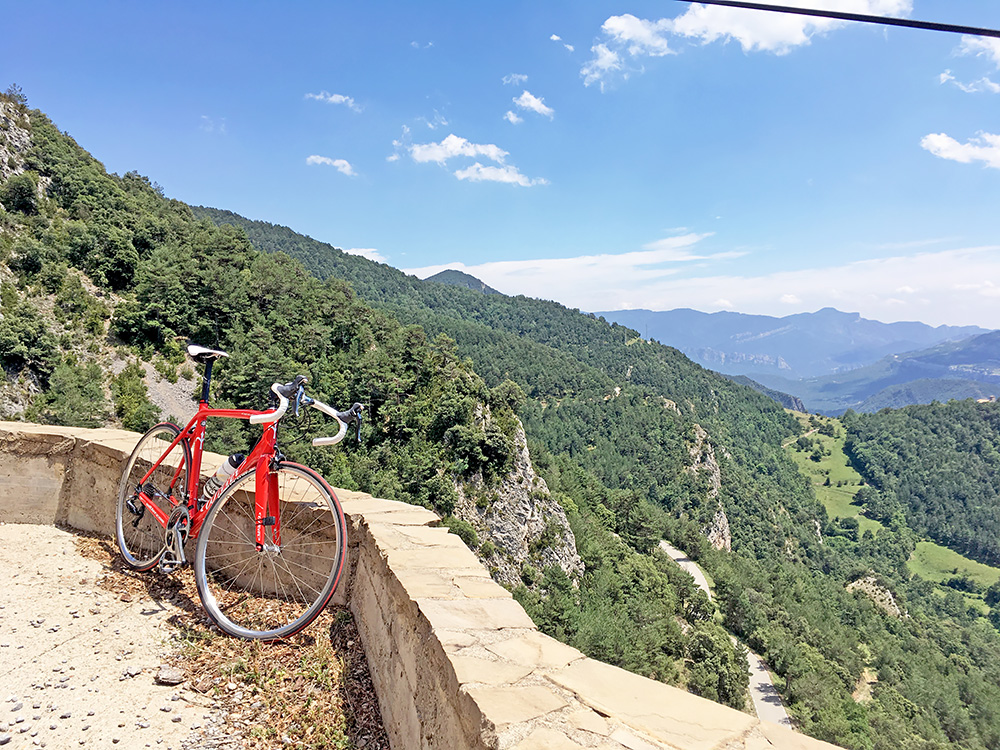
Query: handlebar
[278,413]
[295,391]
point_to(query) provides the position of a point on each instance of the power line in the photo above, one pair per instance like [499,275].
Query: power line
[860,17]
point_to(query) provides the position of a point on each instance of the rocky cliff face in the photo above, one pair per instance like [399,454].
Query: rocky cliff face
[703,461]
[518,522]
[15,139]
[879,594]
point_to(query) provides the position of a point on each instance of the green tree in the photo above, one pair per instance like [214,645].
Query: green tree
[75,397]
[131,399]
[20,193]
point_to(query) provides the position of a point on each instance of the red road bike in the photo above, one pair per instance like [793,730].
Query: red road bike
[270,539]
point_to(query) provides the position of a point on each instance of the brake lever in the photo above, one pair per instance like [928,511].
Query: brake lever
[353,415]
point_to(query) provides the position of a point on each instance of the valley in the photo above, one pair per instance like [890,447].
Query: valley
[819,452]
[487,408]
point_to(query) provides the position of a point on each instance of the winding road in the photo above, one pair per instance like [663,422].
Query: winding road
[766,700]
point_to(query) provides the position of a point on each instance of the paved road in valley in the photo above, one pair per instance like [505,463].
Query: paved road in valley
[766,701]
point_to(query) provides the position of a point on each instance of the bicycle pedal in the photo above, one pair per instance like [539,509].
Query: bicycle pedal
[169,566]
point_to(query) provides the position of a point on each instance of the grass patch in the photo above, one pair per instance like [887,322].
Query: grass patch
[938,564]
[312,690]
[834,481]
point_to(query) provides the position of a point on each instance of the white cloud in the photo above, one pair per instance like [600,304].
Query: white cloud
[958,286]
[341,165]
[211,125]
[366,252]
[983,84]
[508,174]
[568,279]
[515,79]
[605,62]
[557,38]
[512,118]
[789,299]
[981,46]
[985,147]
[628,39]
[529,101]
[453,146]
[438,121]
[775,32]
[639,36]
[325,96]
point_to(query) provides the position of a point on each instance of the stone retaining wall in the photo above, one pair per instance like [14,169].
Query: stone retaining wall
[455,660]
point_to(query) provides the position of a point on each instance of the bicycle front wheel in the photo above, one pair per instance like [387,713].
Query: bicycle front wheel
[274,592]
[140,535]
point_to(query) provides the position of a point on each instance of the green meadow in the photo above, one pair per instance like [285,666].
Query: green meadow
[836,482]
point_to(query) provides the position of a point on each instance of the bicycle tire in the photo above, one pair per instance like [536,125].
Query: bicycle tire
[271,594]
[140,536]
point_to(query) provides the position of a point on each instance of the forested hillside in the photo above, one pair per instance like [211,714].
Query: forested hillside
[101,272]
[633,440]
[613,417]
[937,464]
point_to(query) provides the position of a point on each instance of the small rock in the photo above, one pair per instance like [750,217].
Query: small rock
[169,675]
[4,739]
[17,706]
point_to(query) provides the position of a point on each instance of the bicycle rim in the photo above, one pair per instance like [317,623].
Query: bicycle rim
[140,535]
[275,592]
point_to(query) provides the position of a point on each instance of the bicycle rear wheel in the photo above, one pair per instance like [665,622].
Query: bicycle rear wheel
[140,535]
[274,592]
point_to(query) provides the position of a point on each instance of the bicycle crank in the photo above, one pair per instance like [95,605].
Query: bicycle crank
[178,526]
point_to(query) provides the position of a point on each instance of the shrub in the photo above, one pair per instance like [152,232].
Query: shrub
[132,404]
[20,193]
[463,529]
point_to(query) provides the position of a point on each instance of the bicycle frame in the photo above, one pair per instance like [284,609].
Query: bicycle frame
[261,457]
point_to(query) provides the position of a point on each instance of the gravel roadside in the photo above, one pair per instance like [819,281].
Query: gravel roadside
[79,663]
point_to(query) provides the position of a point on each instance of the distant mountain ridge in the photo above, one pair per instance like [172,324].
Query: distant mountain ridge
[804,345]
[952,370]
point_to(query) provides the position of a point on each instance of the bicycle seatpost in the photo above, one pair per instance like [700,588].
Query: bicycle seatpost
[206,381]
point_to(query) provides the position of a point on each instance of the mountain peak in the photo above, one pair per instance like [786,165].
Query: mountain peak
[458,278]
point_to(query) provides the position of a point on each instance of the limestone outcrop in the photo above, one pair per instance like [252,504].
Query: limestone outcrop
[703,462]
[517,520]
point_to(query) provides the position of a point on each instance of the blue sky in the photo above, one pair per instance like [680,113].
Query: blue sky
[606,154]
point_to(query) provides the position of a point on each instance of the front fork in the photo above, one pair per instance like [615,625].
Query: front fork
[266,504]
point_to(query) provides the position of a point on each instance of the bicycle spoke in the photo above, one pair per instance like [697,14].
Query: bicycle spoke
[152,466]
[277,590]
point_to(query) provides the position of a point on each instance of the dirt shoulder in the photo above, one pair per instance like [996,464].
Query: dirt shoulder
[86,644]
[79,661]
